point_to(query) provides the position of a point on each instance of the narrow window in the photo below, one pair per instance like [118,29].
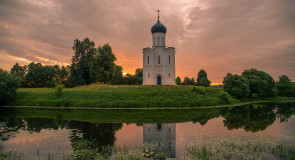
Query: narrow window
[169,59]
[149,60]
[163,43]
[149,130]
[159,59]
[148,75]
[154,41]
[169,77]
[158,41]
[169,130]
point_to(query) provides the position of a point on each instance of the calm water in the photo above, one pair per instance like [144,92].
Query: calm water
[48,133]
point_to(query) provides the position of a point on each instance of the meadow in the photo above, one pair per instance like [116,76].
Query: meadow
[123,96]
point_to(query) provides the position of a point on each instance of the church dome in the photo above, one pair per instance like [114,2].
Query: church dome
[158,27]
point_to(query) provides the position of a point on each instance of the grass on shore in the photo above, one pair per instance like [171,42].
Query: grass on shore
[115,96]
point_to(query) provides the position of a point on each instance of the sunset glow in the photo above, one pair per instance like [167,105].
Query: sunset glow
[217,36]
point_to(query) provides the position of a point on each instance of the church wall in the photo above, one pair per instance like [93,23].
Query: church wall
[152,70]
[158,39]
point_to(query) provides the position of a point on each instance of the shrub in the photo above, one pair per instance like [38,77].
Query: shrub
[199,90]
[59,89]
[237,86]
[284,86]
[260,83]
[225,97]
[8,86]
[202,79]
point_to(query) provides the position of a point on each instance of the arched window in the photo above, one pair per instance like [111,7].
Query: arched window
[159,61]
[169,59]
[148,60]
[169,75]
[158,41]
[148,75]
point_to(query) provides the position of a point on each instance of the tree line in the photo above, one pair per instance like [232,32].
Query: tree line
[92,64]
[89,65]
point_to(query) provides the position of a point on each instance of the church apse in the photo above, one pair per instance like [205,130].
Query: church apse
[161,138]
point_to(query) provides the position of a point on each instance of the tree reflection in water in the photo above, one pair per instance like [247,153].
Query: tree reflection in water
[251,118]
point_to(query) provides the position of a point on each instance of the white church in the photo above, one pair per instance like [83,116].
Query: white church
[159,61]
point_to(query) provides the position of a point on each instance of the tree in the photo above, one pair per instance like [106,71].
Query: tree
[260,83]
[81,62]
[8,86]
[284,86]
[104,65]
[139,75]
[178,80]
[21,72]
[40,76]
[186,81]
[192,81]
[118,78]
[202,79]
[237,86]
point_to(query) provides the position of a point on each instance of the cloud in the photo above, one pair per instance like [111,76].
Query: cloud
[218,36]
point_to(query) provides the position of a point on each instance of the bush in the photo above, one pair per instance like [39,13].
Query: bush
[199,90]
[59,89]
[260,83]
[284,86]
[202,79]
[225,97]
[8,86]
[237,86]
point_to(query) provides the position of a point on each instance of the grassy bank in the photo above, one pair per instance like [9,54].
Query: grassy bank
[112,96]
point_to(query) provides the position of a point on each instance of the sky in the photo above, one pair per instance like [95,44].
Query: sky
[219,36]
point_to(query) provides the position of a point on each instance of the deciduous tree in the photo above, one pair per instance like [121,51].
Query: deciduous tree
[237,86]
[202,79]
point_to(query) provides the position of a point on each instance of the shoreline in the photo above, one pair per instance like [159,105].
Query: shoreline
[161,108]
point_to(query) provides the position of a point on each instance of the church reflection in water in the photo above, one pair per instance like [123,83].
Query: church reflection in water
[161,137]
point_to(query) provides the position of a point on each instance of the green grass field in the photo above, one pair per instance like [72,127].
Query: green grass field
[131,96]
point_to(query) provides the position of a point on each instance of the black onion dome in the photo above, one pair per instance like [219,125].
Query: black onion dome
[158,27]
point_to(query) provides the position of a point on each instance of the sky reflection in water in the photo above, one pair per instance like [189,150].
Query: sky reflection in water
[50,135]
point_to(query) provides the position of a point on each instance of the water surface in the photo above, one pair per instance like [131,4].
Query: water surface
[49,133]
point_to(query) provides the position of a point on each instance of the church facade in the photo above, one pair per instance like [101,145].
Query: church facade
[159,61]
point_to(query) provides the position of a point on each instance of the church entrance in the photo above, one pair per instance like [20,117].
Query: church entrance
[159,79]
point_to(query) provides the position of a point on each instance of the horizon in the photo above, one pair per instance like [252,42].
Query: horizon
[219,37]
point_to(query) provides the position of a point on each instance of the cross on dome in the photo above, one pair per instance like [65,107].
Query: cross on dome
[158,13]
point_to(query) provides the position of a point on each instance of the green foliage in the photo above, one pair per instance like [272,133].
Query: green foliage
[199,90]
[237,86]
[136,79]
[21,72]
[224,96]
[202,79]
[8,86]
[235,148]
[59,89]
[178,80]
[38,75]
[10,156]
[104,69]
[192,81]
[122,97]
[82,61]
[118,77]
[90,64]
[285,87]
[186,81]
[260,83]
